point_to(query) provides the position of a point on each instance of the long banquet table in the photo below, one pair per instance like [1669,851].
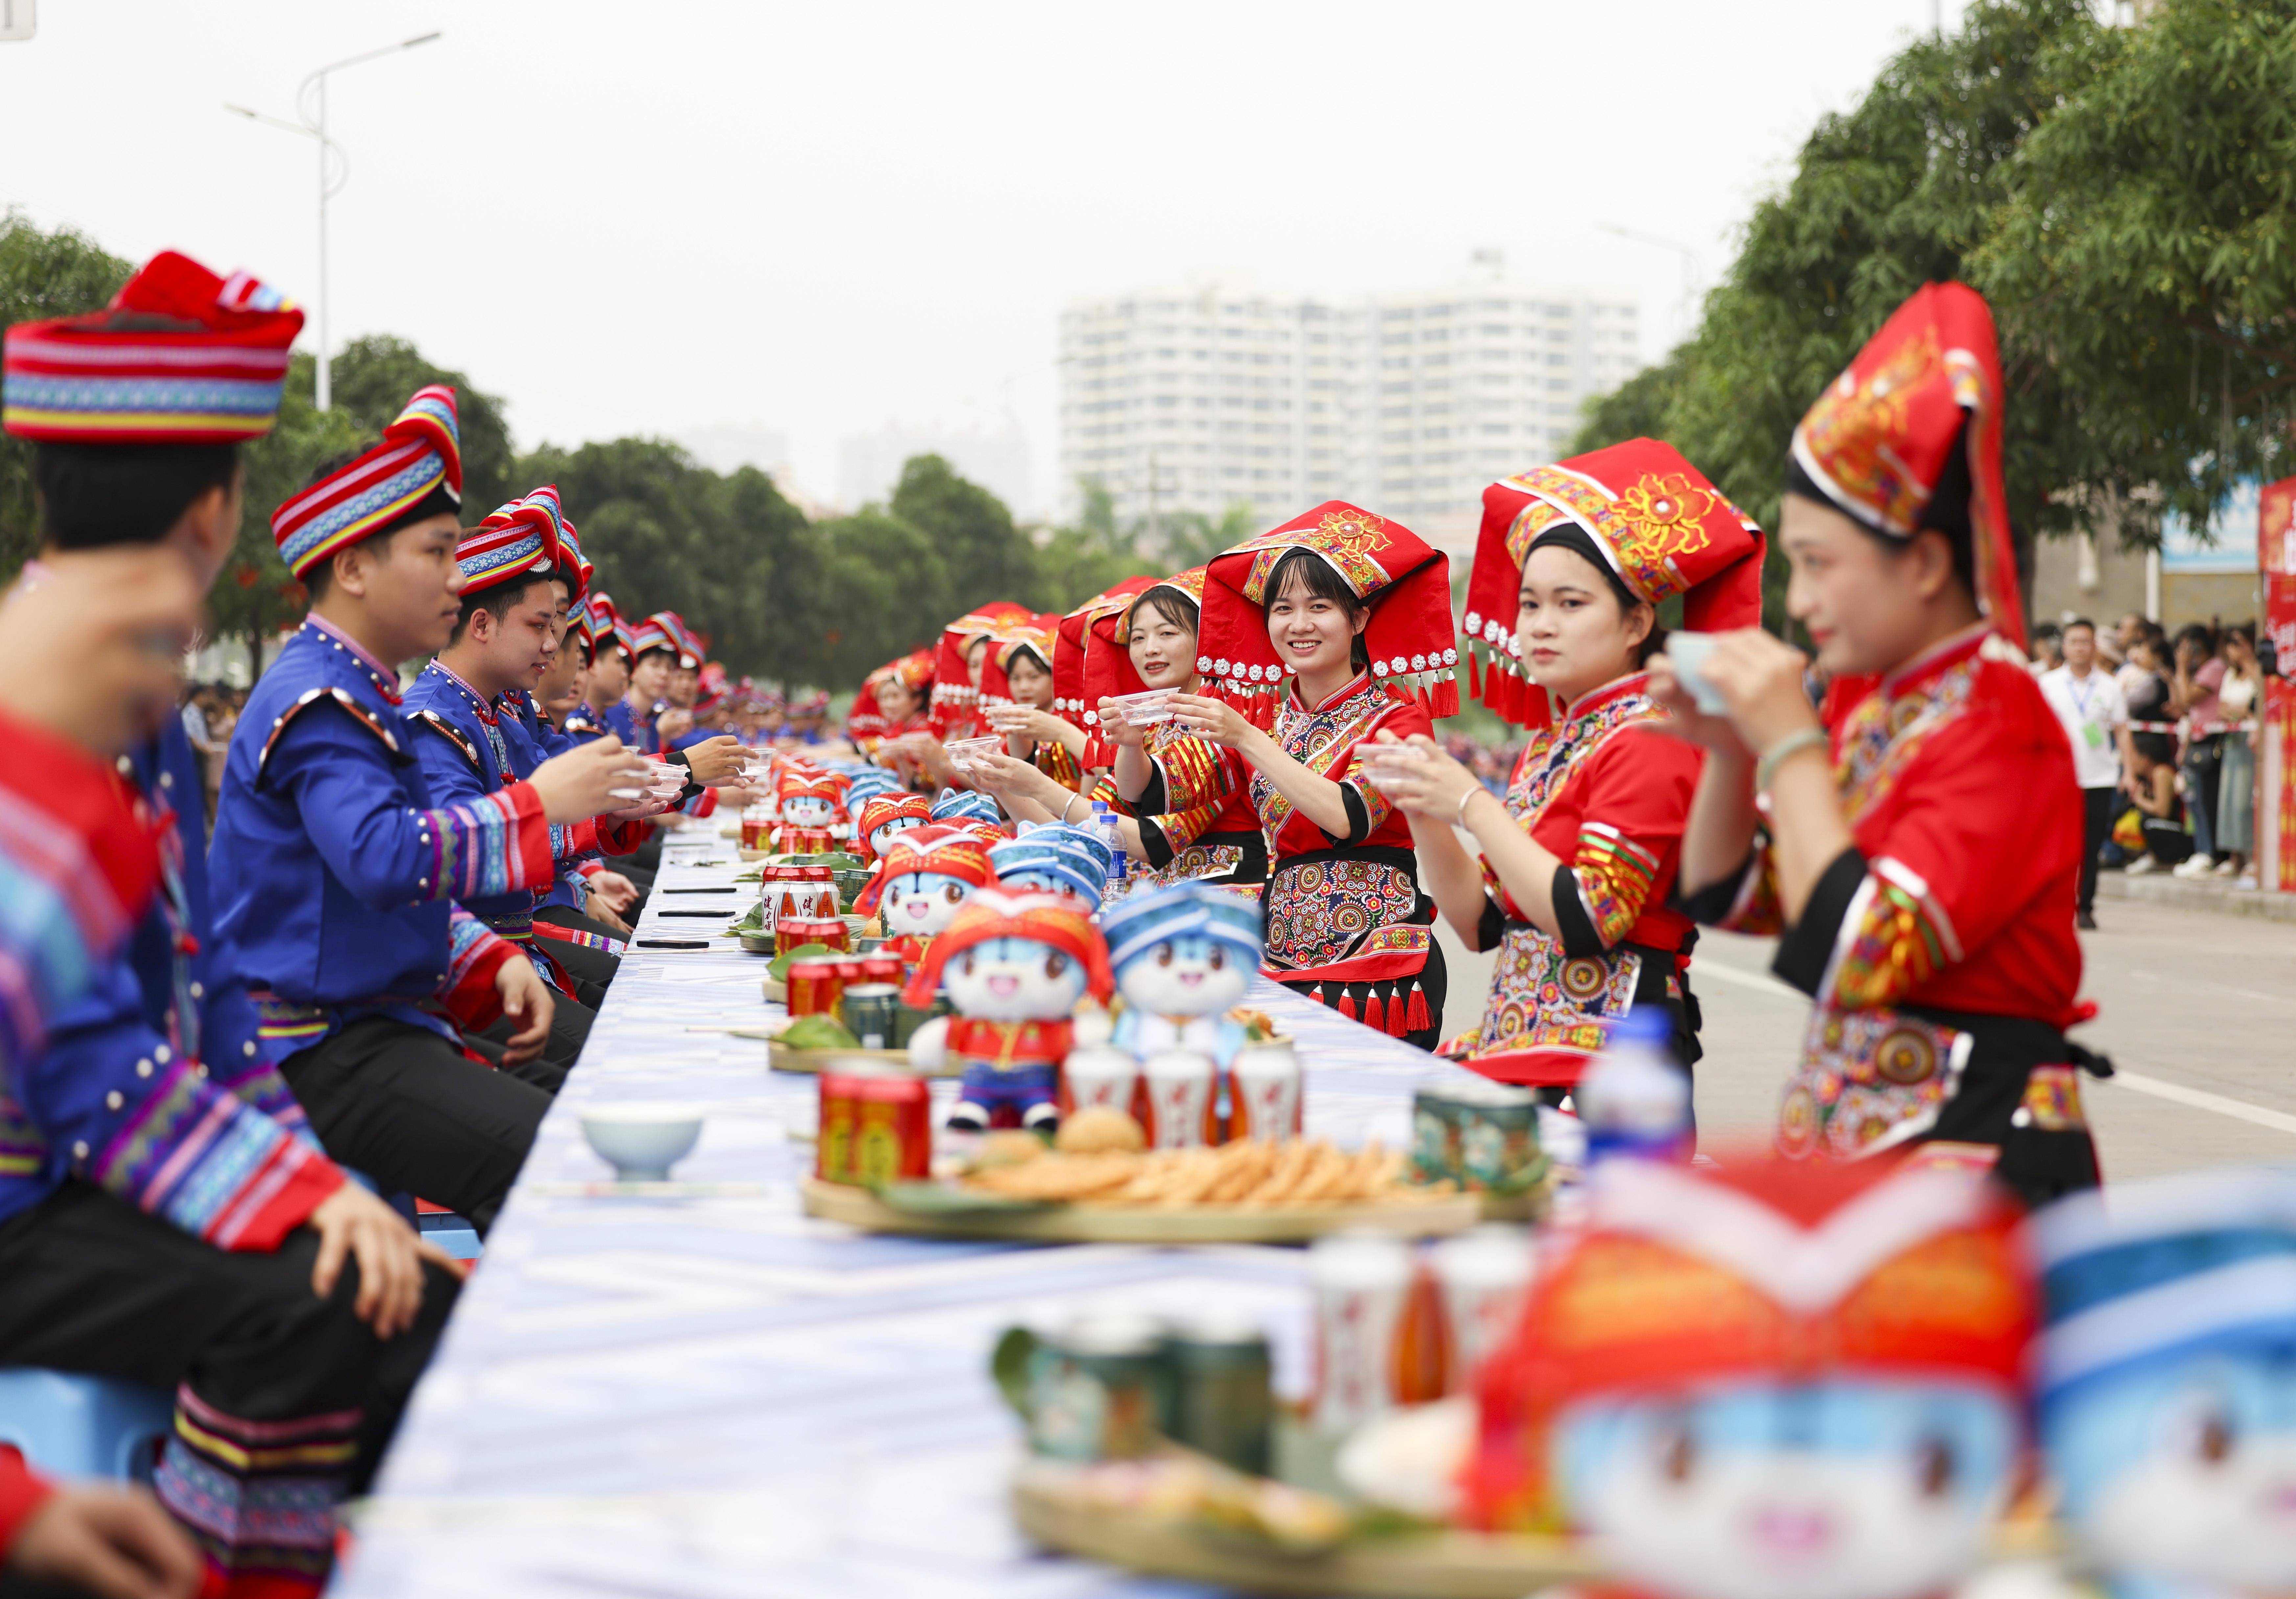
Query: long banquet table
[711,1394]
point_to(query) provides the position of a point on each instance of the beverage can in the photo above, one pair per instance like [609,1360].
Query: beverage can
[876,1125]
[1265,1097]
[1484,1276]
[1359,1281]
[1481,1134]
[831,930]
[884,969]
[813,984]
[869,1011]
[1223,1402]
[1181,1086]
[1099,1390]
[1097,1074]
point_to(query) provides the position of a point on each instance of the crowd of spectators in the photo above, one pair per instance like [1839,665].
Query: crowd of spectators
[2162,731]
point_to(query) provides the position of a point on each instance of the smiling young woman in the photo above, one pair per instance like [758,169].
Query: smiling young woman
[1577,860]
[1335,627]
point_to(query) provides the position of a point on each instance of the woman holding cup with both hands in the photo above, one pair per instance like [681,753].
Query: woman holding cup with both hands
[1577,860]
[1181,801]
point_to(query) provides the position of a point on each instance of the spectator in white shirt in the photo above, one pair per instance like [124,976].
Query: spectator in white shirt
[2095,718]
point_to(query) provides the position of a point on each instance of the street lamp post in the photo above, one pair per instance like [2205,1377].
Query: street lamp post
[1689,263]
[334,167]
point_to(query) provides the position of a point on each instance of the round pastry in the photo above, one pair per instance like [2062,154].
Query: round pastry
[1009,1147]
[1100,1131]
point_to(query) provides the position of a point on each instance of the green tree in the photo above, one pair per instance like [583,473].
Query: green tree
[982,555]
[1903,189]
[883,580]
[731,556]
[372,380]
[42,274]
[2146,254]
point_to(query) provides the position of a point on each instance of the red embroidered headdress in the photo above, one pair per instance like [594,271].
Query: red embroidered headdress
[956,852]
[179,356]
[665,630]
[1406,584]
[606,624]
[421,455]
[515,540]
[1108,668]
[1767,1269]
[804,782]
[1663,529]
[1070,649]
[570,544]
[953,694]
[1054,919]
[1035,635]
[1879,441]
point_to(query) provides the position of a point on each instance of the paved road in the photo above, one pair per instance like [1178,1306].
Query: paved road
[2198,1011]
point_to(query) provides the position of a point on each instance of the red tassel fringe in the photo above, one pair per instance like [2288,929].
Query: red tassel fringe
[1419,1019]
[1397,1022]
[1373,1017]
[1347,1005]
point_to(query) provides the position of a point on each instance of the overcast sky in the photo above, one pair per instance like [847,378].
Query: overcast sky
[660,218]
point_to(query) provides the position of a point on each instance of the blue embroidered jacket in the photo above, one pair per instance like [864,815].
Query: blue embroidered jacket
[337,864]
[150,1084]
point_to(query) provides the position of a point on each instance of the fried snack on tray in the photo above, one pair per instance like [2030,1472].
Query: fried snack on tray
[1100,1131]
[1247,1174]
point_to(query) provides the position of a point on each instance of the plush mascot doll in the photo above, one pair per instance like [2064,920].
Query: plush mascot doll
[812,805]
[2168,1377]
[1769,1382]
[1182,957]
[884,819]
[1054,859]
[924,881]
[1016,967]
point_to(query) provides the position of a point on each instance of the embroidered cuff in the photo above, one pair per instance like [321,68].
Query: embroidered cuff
[1806,949]
[310,1179]
[1358,817]
[1153,844]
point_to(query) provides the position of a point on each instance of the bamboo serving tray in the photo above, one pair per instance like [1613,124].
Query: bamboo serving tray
[1435,1565]
[1060,1223]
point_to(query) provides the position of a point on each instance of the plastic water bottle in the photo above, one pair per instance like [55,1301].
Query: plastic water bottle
[1105,820]
[1634,1099]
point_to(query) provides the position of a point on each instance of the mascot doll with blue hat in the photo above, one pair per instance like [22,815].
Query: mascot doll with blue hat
[1054,859]
[924,880]
[1016,967]
[2168,1377]
[1182,957]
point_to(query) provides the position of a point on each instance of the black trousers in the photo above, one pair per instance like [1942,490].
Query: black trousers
[399,1103]
[2097,826]
[285,1401]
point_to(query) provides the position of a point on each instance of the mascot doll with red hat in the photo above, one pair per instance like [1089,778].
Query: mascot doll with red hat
[922,882]
[1017,965]
[811,804]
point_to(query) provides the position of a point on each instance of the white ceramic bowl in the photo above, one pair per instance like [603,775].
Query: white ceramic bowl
[641,1141]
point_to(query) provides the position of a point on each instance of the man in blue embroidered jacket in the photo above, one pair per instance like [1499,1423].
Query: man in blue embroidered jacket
[155,1222]
[470,707]
[339,866]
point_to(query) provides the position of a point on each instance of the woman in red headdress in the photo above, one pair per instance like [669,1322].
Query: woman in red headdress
[1018,691]
[1577,860]
[1182,804]
[1333,628]
[1920,851]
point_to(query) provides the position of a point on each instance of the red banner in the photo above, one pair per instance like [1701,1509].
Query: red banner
[2275,733]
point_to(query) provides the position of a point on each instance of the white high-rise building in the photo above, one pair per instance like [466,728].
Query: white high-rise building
[1405,403]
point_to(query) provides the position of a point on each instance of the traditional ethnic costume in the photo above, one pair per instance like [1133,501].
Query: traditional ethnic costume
[1070,695]
[471,747]
[1597,785]
[340,871]
[1940,947]
[1195,815]
[957,704]
[1347,924]
[1035,643]
[155,1172]
[867,724]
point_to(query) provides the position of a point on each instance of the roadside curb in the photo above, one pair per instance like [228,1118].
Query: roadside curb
[2185,894]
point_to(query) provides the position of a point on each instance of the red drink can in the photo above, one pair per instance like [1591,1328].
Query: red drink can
[789,932]
[816,983]
[884,969]
[826,930]
[876,1126]
[850,970]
